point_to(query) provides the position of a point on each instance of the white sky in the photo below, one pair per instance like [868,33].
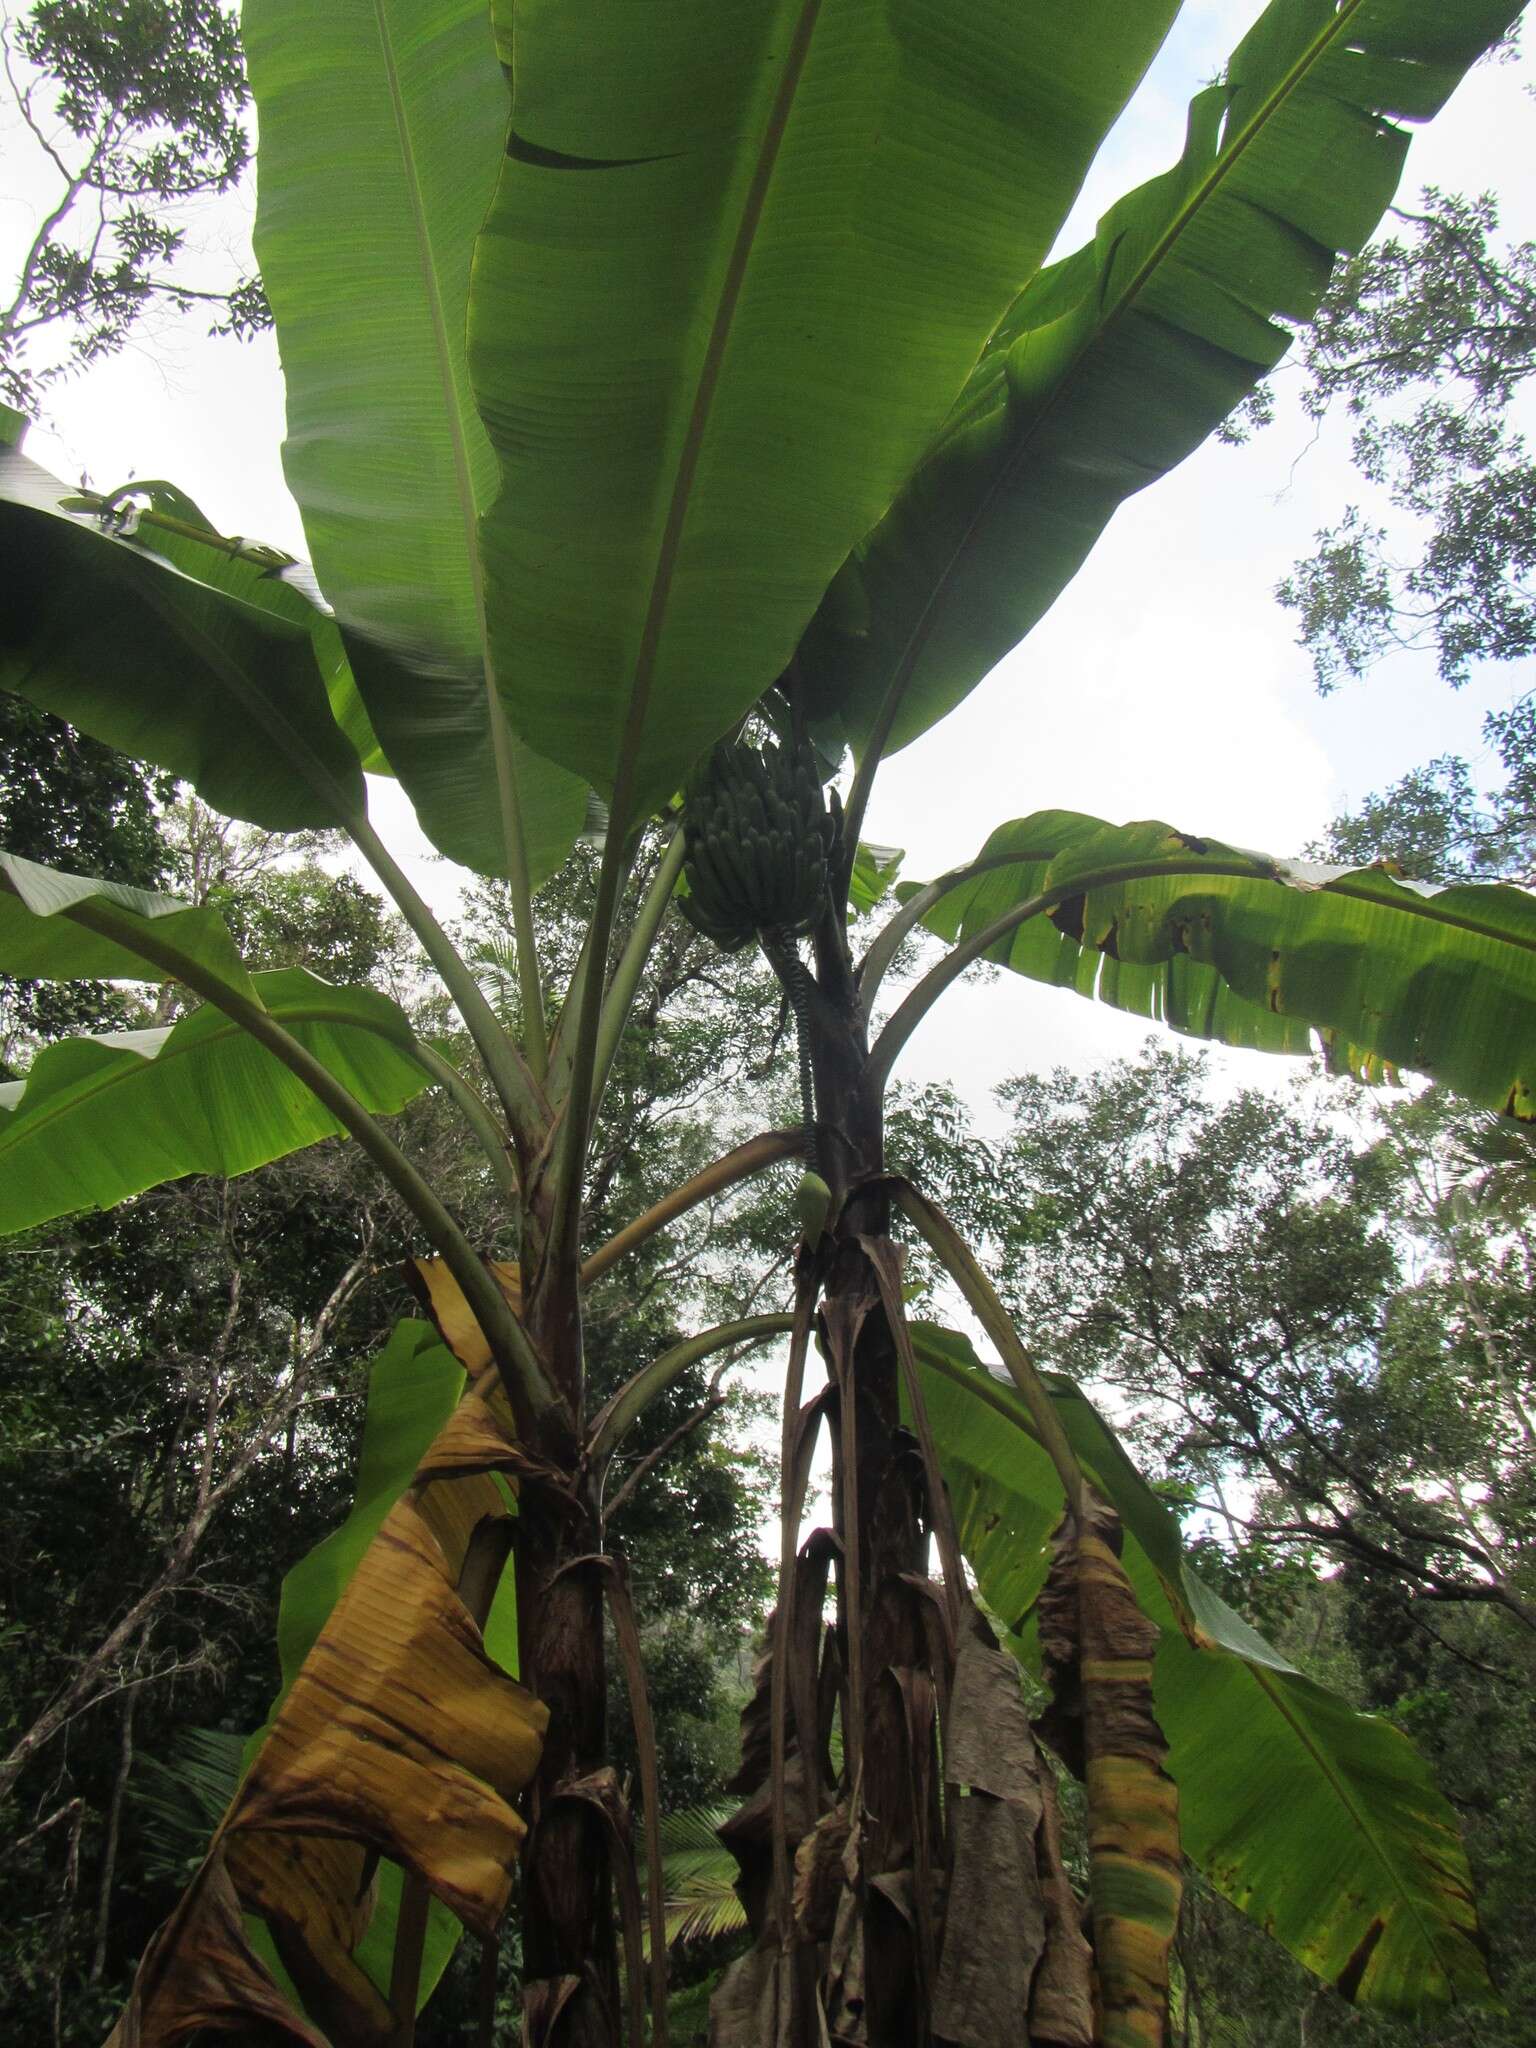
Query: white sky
[1165,683]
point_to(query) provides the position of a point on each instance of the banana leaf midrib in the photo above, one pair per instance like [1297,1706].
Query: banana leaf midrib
[432,295]
[506,782]
[1176,869]
[706,383]
[1356,1812]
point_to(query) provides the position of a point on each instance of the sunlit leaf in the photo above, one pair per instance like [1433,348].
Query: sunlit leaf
[102,1117]
[738,265]
[1248,950]
[1114,364]
[383,123]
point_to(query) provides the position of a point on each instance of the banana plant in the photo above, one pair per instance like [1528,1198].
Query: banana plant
[681,404]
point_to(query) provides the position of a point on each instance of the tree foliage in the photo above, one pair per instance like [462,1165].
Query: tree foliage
[1425,342]
[138,106]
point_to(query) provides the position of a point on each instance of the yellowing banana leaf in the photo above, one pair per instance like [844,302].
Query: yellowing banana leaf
[1321,1823]
[101,1117]
[39,940]
[1252,951]
[739,263]
[383,124]
[181,662]
[399,1735]
[1112,366]
[452,1314]
[414,1386]
[1097,1648]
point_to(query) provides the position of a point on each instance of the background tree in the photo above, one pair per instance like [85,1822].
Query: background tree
[1239,1271]
[138,106]
[1314,1320]
[1425,342]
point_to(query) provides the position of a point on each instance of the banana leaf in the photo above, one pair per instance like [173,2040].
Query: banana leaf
[1116,363]
[1320,1823]
[413,1388]
[383,124]
[738,266]
[875,869]
[398,1742]
[39,940]
[196,664]
[101,1117]
[178,530]
[1248,950]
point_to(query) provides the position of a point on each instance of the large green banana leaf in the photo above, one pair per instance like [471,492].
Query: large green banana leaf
[1115,364]
[103,1117]
[39,941]
[740,262]
[177,655]
[383,123]
[180,531]
[1248,950]
[1321,1823]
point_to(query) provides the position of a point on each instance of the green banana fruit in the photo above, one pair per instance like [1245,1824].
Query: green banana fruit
[813,1202]
[758,841]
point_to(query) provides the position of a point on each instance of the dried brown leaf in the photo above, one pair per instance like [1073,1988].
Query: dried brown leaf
[399,1737]
[1098,1648]
[440,1294]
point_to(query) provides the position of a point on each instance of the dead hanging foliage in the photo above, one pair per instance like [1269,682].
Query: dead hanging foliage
[399,1738]
[1098,1649]
[1014,1965]
[443,1298]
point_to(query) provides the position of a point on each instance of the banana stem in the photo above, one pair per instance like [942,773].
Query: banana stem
[530,981]
[960,1263]
[510,1077]
[905,1020]
[887,942]
[733,1166]
[784,958]
[633,1398]
[492,1141]
[619,1000]
[562,1246]
[514,1353]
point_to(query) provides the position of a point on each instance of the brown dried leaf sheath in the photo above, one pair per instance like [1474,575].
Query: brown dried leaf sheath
[199,1972]
[1098,1648]
[400,1738]
[1014,1966]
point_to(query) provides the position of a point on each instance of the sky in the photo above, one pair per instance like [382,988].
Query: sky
[1165,683]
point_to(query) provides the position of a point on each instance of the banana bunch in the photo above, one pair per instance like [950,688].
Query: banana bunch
[758,837]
